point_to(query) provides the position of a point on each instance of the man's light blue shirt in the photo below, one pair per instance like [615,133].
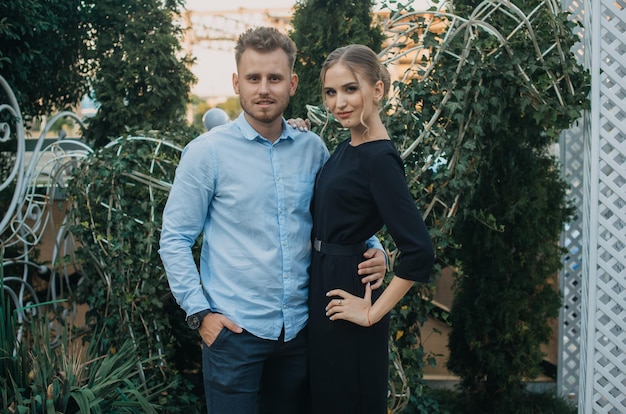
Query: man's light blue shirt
[251,200]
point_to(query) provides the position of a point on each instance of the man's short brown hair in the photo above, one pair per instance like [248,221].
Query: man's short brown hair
[265,39]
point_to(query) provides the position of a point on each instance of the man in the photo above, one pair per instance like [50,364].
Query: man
[247,185]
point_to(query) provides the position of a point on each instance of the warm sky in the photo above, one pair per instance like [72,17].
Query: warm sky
[235,4]
[214,68]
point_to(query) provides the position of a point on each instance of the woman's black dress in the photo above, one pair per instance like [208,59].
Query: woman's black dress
[359,190]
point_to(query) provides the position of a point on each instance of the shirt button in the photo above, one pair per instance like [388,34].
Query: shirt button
[286,276]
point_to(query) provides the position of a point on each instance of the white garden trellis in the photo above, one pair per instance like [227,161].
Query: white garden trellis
[592,341]
[36,178]
[595,280]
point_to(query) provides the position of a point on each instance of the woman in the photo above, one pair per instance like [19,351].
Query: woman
[361,188]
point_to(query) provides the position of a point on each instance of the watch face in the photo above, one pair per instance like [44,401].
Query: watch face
[193,321]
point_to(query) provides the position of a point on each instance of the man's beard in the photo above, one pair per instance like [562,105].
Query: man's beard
[265,117]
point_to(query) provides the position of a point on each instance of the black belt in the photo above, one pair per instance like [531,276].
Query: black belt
[339,249]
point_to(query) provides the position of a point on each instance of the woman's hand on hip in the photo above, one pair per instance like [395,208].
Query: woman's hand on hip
[347,307]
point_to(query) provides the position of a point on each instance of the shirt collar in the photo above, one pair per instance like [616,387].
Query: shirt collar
[250,133]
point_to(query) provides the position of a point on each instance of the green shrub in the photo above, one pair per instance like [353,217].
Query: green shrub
[116,201]
[43,369]
[453,402]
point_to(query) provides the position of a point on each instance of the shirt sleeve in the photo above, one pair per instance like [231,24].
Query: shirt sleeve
[401,217]
[183,220]
[374,243]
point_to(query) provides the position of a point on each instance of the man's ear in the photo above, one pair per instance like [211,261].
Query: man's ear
[235,84]
[294,84]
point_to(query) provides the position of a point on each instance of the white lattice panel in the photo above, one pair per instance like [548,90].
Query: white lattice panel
[603,340]
[572,161]
[571,274]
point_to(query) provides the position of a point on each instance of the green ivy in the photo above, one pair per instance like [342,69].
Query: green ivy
[513,201]
[116,201]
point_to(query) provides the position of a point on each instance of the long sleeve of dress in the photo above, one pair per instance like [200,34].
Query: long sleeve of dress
[401,217]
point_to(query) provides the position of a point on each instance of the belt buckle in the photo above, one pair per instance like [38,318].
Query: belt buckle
[317,245]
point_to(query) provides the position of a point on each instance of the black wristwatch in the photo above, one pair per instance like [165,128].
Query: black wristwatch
[194,321]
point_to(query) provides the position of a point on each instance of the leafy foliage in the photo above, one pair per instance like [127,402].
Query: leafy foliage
[494,133]
[139,81]
[125,55]
[321,26]
[40,375]
[453,402]
[42,51]
[117,201]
